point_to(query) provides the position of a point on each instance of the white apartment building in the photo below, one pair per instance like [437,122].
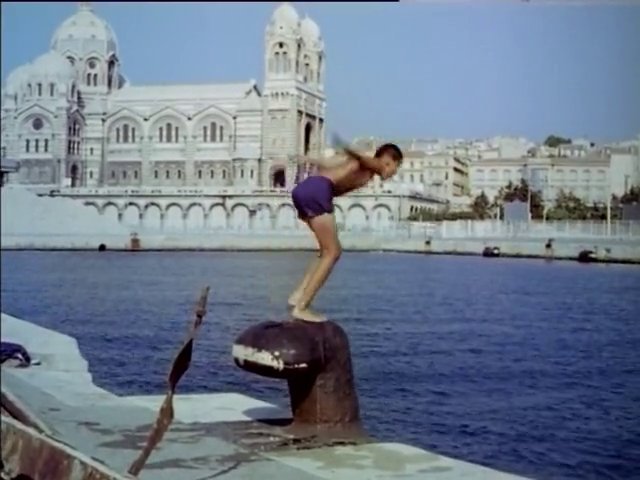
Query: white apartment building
[592,175]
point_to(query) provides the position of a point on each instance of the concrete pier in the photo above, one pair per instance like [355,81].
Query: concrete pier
[221,434]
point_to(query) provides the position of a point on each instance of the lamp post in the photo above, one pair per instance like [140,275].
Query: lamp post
[525,167]
[546,193]
[609,202]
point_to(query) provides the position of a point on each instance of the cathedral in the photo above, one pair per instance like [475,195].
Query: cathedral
[70,118]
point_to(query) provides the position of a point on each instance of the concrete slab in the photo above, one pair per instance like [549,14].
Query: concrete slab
[214,435]
[384,461]
[215,407]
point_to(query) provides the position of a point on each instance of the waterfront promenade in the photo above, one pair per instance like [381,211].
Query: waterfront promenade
[32,222]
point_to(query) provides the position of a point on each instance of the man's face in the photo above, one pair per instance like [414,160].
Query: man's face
[389,167]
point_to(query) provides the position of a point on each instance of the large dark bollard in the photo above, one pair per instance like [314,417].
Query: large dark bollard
[315,360]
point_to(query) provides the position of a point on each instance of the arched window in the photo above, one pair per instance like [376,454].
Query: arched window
[200,174]
[251,173]
[176,136]
[113,174]
[213,132]
[26,145]
[46,145]
[133,134]
[37,145]
[160,132]
[224,174]
[281,62]
[221,136]
[155,174]
[305,72]
[204,133]
[179,173]
[95,79]
[30,89]
[169,129]
[212,174]
[124,174]
[277,62]
[88,79]
[90,174]
[118,135]
[167,174]
[39,89]
[52,89]
[125,133]
[135,174]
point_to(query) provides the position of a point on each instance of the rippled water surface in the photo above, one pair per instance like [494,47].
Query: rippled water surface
[521,365]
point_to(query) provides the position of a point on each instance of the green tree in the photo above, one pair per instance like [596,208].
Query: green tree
[568,207]
[520,192]
[555,141]
[631,196]
[481,206]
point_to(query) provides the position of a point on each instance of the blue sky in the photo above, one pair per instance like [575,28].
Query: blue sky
[464,70]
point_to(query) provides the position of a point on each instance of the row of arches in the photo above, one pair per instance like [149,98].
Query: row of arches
[168,130]
[211,173]
[36,145]
[257,217]
[30,92]
[38,90]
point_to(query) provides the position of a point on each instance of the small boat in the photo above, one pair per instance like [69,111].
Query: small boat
[587,256]
[491,252]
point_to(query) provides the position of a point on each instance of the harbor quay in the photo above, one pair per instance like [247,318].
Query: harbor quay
[266,221]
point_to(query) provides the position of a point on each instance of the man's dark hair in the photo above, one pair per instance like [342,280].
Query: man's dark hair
[390,149]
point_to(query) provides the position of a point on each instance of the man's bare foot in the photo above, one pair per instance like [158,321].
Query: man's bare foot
[307,315]
[293,299]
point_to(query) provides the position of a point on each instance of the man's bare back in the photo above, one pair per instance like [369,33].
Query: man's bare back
[347,176]
[313,199]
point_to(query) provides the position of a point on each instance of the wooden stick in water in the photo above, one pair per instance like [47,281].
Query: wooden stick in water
[178,368]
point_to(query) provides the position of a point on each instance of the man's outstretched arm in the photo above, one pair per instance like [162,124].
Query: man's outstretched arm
[370,163]
[323,162]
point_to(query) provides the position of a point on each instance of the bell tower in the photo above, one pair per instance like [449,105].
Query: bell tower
[294,102]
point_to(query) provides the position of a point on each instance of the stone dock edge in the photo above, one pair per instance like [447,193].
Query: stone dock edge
[95,434]
[602,259]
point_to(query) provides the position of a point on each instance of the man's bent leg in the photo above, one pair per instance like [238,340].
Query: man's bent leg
[324,227]
[297,293]
[313,264]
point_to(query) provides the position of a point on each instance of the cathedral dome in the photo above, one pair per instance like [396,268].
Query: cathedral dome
[285,17]
[85,32]
[18,77]
[309,29]
[52,65]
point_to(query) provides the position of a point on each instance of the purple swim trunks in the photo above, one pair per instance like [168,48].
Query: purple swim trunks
[313,196]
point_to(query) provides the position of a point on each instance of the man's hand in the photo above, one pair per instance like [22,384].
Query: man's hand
[340,144]
[366,161]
